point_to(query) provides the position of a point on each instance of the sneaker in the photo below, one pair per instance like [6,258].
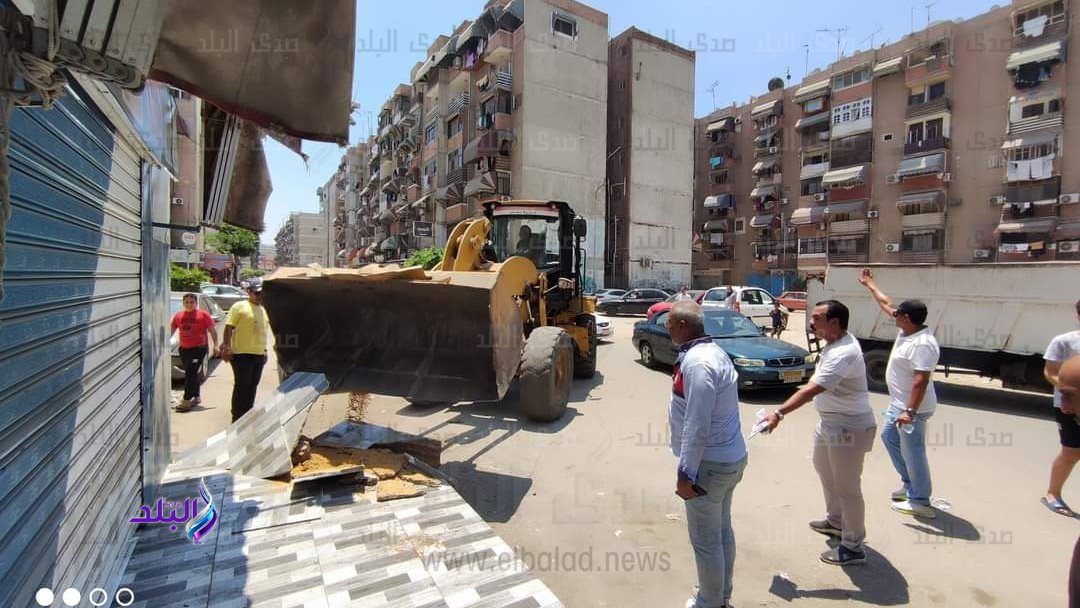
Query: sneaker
[899,495]
[907,508]
[824,527]
[842,556]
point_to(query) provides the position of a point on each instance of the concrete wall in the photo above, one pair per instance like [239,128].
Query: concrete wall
[661,160]
[560,121]
[311,238]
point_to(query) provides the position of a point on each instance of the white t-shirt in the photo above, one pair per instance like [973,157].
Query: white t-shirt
[1061,349]
[917,352]
[842,373]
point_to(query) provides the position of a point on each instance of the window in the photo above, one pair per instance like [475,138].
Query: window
[915,133]
[1032,111]
[811,246]
[931,241]
[1053,11]
[850,112]
[740,225]
[563,25]
[751,296]
[812,186]
[502,183]
[814,105]
[852,78]
[1054,105]
[453,126]
[431,134]
[935,128]
[935,91]
[816,159]
[487,107]
[847,245]
[718,294]
[454,160]
[1031,152]
[622,85]
[719,177]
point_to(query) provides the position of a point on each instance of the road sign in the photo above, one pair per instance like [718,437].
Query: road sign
[422,229]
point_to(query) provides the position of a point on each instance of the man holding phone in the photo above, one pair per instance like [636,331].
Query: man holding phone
[707,440]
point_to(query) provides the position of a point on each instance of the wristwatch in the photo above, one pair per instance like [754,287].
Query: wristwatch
[910,412]
[779,414]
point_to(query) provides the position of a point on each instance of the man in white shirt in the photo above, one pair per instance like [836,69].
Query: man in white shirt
[912,399]
[1061,349]
[843,436]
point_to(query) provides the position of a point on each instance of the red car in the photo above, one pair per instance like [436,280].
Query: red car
[793,300]
[660,307]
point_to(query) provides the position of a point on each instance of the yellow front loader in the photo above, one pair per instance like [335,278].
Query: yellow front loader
[505,302]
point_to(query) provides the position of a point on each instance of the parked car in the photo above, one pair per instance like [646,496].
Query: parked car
[761,361]
[793,300]
[635,301]
[658,308]
[224,295]
[608,294]
[604,327]
[176,304]
[753,302]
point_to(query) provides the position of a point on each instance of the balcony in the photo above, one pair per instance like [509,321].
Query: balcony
[725,188]
[921,257]
[815,140]
[455,176]
[456,213]
[941,104]
[850,227]
[1029,193]
[1056,27]
[1053,120]
[457,104]
[504,80]
[923,221]
[926,145]
[916,75]
[848,258]
[766,151]
[812,261]
[500,46]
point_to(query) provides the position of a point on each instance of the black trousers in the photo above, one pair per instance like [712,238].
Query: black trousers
[192,359]
[247,371]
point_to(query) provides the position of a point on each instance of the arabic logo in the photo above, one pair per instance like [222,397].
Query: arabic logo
[206,518]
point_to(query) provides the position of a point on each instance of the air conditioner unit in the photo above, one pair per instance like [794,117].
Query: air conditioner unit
[892,178]
[1065,199]
[1068,246]
[177,200]
[982,254]
[774,150]
[946,177]
[873,214]
[892,247]
[819,197]
[997,200]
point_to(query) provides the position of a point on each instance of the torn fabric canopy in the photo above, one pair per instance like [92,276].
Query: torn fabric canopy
[281,65]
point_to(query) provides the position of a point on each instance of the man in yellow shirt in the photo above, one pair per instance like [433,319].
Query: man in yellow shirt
[244,346]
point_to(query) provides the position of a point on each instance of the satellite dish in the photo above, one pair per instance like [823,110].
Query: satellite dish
[776,83]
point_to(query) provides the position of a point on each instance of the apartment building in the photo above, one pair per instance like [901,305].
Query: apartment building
[650,156]
[511,104]
[947,146]
[302,240]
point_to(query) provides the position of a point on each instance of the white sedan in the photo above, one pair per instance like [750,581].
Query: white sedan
[604,327]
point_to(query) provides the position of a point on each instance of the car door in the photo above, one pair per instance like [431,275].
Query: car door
[628,304]
[766,304]
[654,296]
[750,304]
[663,347]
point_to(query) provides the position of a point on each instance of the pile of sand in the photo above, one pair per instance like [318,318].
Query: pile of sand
[396,479]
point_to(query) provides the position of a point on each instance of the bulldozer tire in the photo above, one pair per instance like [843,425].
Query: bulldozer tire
[585,365]
[547,366]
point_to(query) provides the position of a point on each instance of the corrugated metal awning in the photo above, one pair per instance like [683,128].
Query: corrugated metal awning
[1068,230]
[846,177]
[814,170]
[850,207]
[475,30]
[1051,51]
[805,216]
[719,125]
[721,225]
[1033,225]
[765,164]
[921,165]
[1030,140]
[766,109]
[919,198]
[810,91]
[762,221]
[809,121]
[766,136]
[761,191]
[884,68]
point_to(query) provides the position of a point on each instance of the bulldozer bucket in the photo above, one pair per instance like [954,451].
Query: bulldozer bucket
[427,336]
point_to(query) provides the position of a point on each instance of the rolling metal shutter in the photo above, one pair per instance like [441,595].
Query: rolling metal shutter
[70,328]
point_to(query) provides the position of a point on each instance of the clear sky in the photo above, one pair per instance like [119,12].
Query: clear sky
[740,45]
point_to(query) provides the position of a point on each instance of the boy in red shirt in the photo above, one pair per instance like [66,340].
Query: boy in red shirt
[193,324]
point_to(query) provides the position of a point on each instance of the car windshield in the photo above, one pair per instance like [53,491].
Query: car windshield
[730,326]
[534,237]
[717,295]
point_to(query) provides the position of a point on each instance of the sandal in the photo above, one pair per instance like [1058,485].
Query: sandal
[1057,506]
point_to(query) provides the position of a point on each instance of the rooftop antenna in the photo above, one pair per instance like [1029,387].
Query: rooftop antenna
[871,37]
[928,19]
[839,33]
[806,62]
[912,18]
[712,89]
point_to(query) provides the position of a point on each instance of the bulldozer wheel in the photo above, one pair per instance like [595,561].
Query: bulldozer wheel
[585,366]
[547,366]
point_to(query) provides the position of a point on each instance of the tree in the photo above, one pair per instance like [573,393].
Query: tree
[185,279]
[427,258]
[250,273]
[233,240]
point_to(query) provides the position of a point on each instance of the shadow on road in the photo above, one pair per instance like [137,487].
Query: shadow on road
[1016,403]
[944,527]
[877,582]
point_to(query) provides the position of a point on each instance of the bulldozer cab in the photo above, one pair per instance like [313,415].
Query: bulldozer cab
[548,233]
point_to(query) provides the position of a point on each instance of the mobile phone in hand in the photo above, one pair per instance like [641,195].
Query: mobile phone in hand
[700,491]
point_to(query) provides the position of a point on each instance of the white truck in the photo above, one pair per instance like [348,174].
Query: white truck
[991,319]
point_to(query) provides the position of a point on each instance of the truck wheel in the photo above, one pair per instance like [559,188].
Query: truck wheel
[585,365]
[547,366]
[877,361]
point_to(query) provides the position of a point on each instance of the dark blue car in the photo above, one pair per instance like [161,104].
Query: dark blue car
[761,362]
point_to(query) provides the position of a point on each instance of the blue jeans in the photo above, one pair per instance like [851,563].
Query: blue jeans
[908,455]
[709,521]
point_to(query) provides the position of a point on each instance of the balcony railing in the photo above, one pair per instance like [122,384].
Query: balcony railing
[1036,123]
[455,176]
[921,257]
[719,253]
[457,104]
[1056,27]
[926,145]
[504,79]
[767,151]
[814,140]
[842,258]
[923,108]
[849,227]
[1029,193]
[500,45]
[923,221]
